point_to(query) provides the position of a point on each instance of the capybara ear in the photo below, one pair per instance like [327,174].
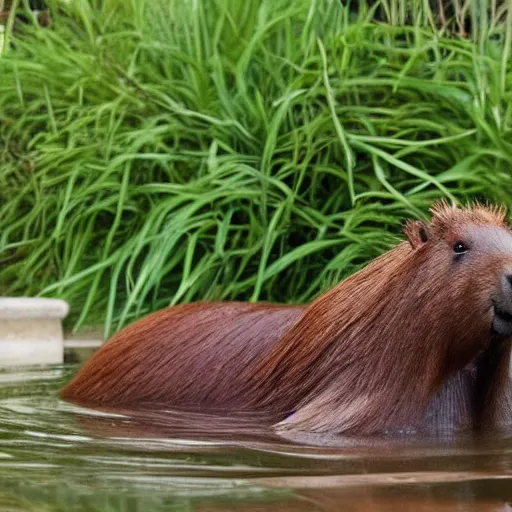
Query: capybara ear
[416,233]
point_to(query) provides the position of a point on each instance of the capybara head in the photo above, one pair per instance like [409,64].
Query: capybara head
[469,250]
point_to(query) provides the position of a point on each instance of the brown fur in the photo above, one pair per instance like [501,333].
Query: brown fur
[404,343]
[196,355]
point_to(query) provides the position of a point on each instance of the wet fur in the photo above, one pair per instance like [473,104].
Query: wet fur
[197,355]
[391,347]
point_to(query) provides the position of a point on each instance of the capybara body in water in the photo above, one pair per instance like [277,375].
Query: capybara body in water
[418,339]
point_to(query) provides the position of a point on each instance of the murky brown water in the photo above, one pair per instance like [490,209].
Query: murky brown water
[55,456]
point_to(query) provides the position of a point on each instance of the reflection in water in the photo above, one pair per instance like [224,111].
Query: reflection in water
[56,456]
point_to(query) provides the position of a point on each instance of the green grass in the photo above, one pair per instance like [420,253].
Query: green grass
[156,152]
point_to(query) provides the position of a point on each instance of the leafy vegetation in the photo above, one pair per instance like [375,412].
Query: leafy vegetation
[155,152]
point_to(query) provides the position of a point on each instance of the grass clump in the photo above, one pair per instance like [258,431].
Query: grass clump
[156,152]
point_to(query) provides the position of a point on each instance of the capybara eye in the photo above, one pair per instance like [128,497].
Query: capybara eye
[459,248]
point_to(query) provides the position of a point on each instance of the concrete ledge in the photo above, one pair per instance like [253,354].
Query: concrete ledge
[31,330]
[32,307]
[73,343]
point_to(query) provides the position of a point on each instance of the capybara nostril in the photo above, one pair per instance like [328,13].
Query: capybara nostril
[507,283]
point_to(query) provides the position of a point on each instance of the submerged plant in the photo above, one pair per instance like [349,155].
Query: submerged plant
[156,152]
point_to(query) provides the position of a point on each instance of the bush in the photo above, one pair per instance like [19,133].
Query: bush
[156,152]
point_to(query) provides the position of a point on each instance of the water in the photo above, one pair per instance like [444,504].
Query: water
[55,456]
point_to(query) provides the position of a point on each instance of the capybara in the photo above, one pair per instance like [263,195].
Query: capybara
[418,340]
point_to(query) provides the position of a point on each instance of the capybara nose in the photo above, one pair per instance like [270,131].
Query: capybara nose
[502,321]
[506,285]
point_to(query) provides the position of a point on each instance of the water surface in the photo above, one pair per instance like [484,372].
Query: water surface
[58,456]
